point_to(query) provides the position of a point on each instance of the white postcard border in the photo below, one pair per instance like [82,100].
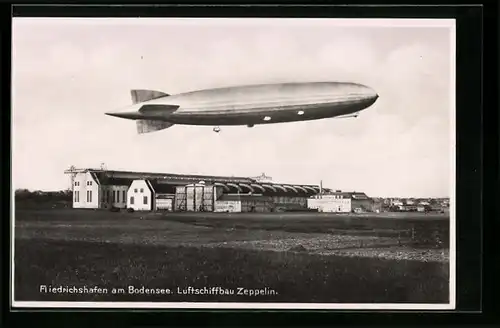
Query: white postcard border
[450,23]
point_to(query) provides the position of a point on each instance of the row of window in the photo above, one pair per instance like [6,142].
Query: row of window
[144,200]
[115,198]
[142,190]
[77,183]
[107,196]
[77,196]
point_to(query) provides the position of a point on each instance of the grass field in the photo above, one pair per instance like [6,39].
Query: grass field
[302,257]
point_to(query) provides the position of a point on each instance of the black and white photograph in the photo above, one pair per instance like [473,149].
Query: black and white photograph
[233,163]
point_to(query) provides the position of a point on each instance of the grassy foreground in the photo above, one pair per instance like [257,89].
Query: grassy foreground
[296,277]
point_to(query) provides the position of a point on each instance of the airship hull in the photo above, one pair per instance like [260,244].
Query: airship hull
[254,104]
[268,115]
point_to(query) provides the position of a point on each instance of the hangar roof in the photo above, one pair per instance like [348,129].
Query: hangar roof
[177,178]
[165,181]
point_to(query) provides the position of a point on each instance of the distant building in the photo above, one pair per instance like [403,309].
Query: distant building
[243,203]
[339,201]
[263,178]
[396,202]
[361,202]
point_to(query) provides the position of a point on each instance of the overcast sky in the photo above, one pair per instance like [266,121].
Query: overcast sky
[68,72]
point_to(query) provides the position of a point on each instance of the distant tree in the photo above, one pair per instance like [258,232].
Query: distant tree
[22,194]
[38,195]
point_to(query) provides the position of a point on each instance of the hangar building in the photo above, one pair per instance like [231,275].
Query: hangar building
[99,188]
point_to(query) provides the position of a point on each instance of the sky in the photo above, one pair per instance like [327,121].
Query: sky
[66,73]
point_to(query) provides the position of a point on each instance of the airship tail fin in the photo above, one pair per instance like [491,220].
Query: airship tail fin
[139,96]
[146,126]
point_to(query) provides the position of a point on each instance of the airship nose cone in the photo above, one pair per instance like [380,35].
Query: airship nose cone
[373,98]
[371,94]
[367,95]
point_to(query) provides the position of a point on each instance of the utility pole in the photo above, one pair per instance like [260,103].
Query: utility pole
[72,174]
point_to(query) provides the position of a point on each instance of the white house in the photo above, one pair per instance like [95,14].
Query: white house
[144,195]
[86,190]
[140,196]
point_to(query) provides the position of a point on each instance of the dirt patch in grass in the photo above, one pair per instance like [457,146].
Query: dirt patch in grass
[351,246]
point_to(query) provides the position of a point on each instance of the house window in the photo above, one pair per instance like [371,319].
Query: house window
[76,183]
[77,196]
[132,200]
[114,196]
[142,190]
[90,183]
[135,190]
[124,196]
[118,196]
[90,196]
[87,196]
[109,195]
[145,200]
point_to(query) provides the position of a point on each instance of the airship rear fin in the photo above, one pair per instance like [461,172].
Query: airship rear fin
[139,96]
[146,126]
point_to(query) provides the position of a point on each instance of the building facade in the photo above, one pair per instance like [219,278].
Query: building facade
[99,188]
[140,196]
[86,191]
[337,203]
[341,202]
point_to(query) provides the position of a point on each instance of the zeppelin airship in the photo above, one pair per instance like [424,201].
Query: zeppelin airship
[247,105]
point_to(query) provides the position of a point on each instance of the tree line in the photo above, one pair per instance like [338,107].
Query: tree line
[38,195]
